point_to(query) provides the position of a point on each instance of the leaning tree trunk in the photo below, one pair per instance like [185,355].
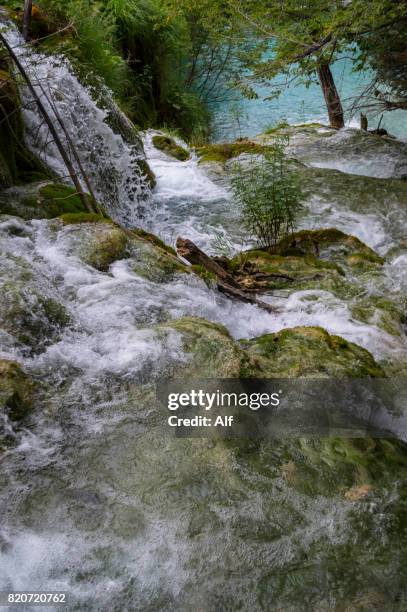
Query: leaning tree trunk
[332,99]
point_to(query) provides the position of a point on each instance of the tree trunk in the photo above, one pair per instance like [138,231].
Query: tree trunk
[332,99]
[27,19]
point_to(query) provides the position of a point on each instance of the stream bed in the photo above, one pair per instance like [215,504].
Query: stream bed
[95,499]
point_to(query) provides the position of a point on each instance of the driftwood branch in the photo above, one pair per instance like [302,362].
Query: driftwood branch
[226,282]
[187,249]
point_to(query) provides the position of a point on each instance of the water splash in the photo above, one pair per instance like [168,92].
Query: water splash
[110,163]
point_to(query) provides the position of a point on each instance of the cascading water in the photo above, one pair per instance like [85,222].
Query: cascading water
[95,500]
[110,163]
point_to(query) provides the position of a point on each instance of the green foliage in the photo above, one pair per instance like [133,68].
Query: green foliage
[142,50]
[269,195]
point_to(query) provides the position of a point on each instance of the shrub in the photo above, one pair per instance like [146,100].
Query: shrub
[269,195]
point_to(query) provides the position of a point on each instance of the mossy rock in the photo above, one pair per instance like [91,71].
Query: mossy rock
[209,348]
[221,153]
[16,390]
[381,312]
[41,201]
[147,172]
[121,124]
[154,240]
[364,262]
[170,147]
[310,351]
[152,259]
[296,272]
[326,243]
[97,243]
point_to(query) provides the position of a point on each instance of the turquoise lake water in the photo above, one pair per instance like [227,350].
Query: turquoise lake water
[299,104]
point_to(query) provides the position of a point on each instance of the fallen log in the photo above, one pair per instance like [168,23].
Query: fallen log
[226,282]
[189,251]
[243,296]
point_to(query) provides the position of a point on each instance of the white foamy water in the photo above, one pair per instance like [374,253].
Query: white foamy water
[95,501]
[181,180]
[109,162]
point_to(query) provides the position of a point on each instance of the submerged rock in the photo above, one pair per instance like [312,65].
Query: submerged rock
[170,147]
[97,243]
[29,310]
[16,390]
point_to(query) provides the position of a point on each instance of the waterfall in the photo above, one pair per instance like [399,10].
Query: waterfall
[110,160]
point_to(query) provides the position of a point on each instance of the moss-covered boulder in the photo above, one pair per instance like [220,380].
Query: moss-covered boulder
[329,243]
[41,201]
[96,242]
[29,309]
[309,351]
[170,147]
[16,390]
[152,259]
[290,353]
[210,351]
[223,152]
[258,270]
[382,312]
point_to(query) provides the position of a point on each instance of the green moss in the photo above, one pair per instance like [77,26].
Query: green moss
[318,241]
[153,260]
[364,261]
[154,240]
[310,351]
[169,146]
[42,201]
[16,390]
[81,217]
[208,277]
[305,272]
[223,152]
